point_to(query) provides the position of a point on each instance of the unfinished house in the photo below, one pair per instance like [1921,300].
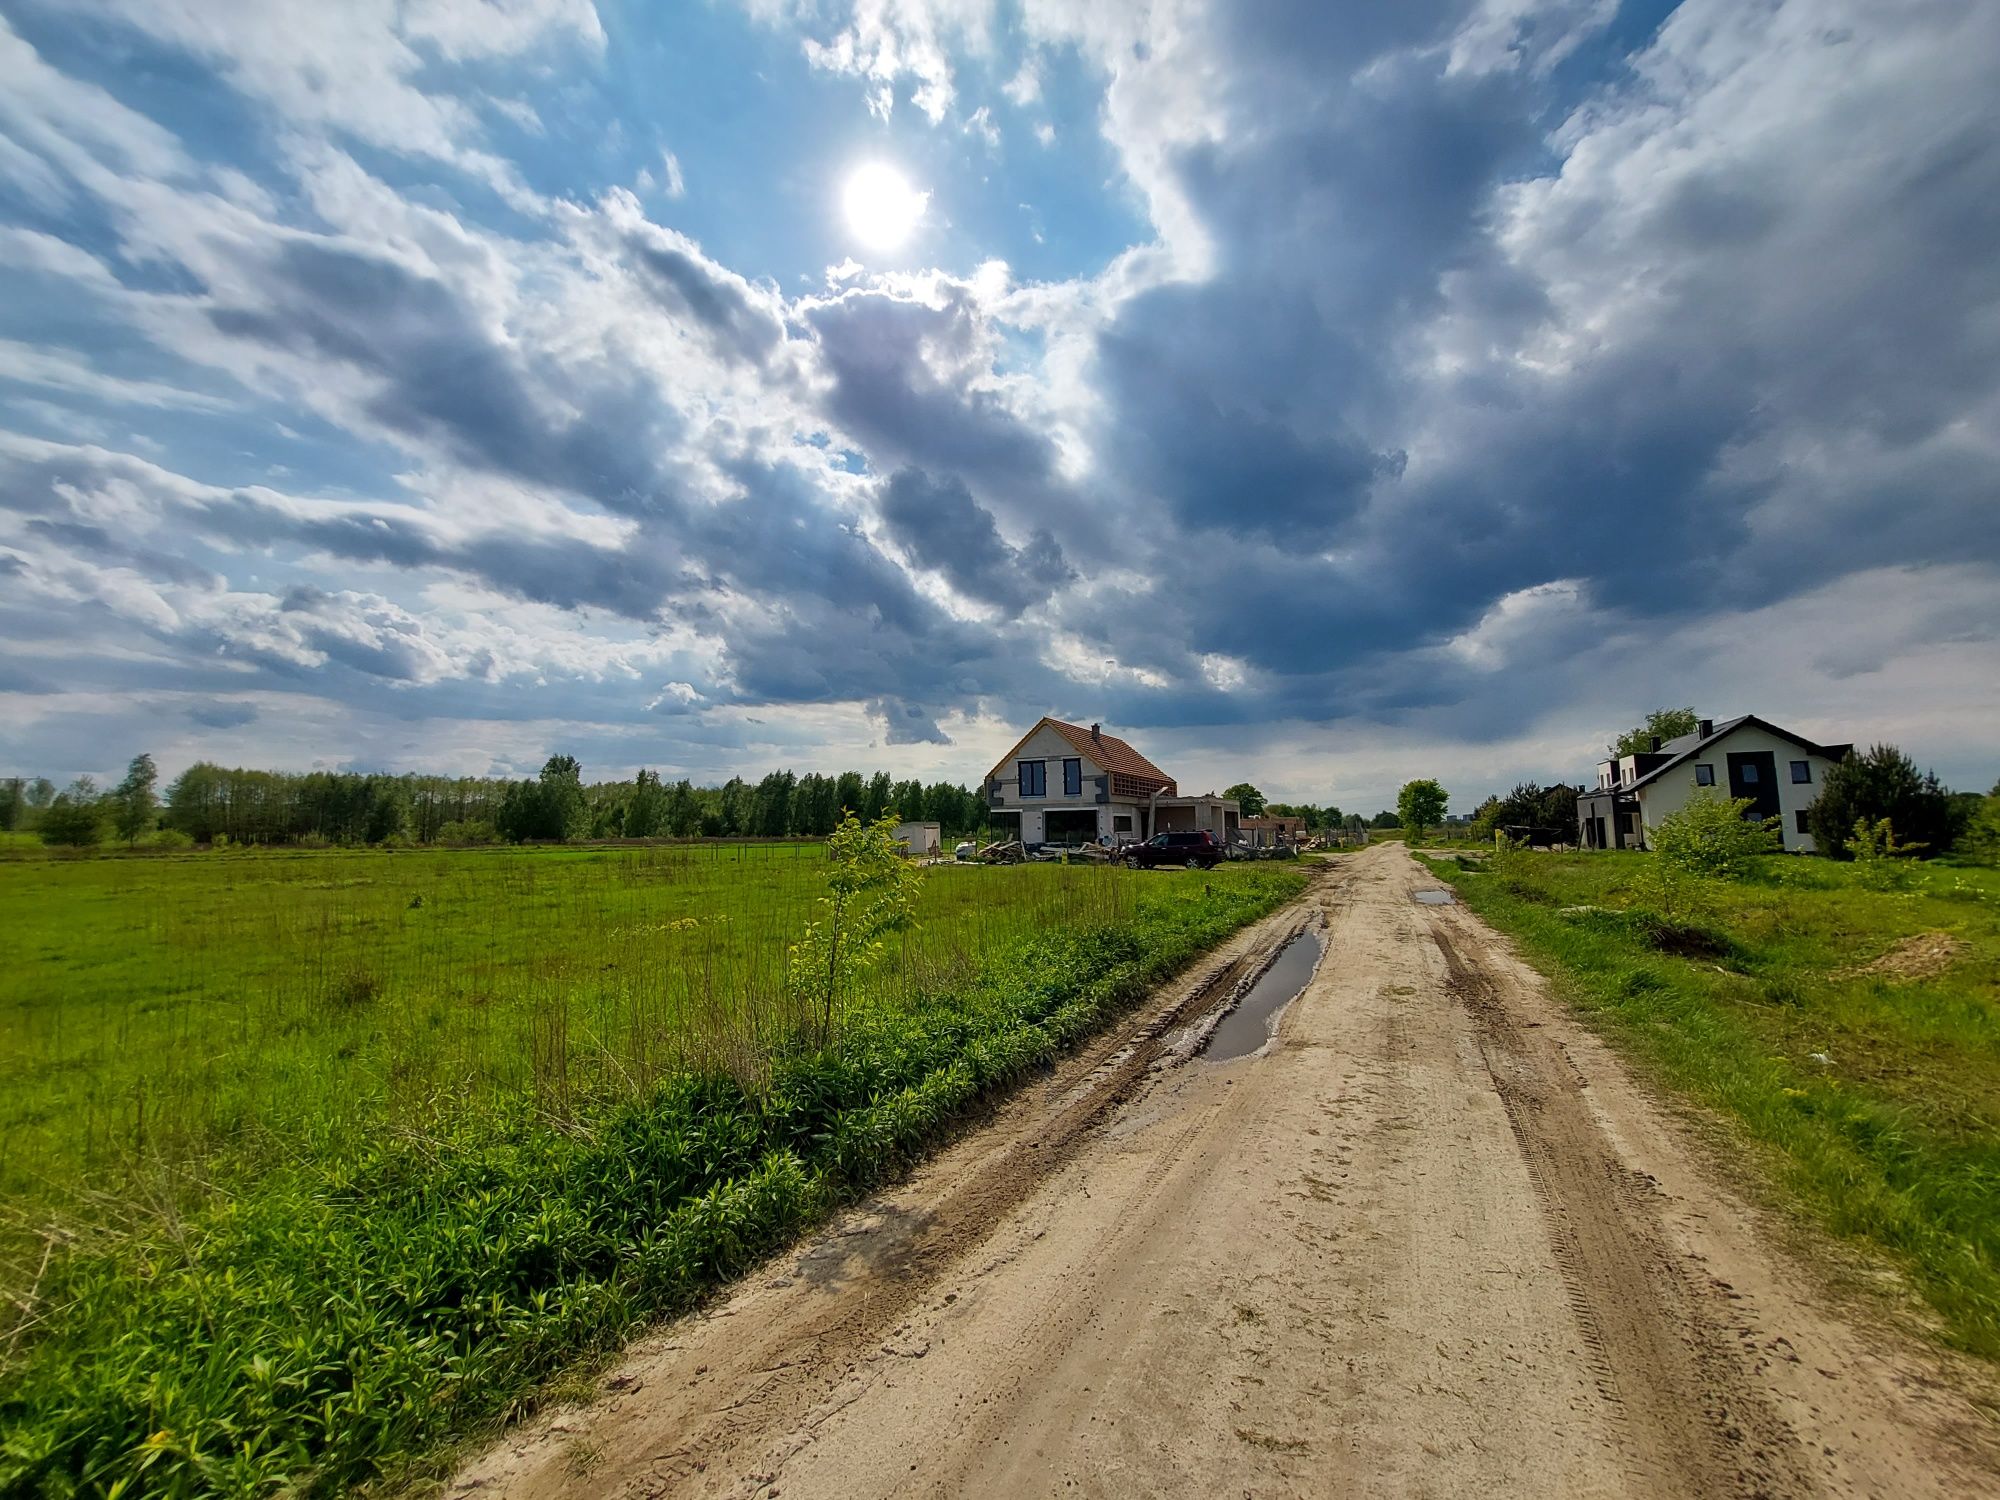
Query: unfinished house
[1269,831]
[1065,784]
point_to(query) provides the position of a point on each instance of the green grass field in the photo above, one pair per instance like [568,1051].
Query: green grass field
[1873,1099]
[348,1150]
[157,1011]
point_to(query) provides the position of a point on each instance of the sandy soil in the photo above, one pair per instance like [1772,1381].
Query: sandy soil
[1429,1241]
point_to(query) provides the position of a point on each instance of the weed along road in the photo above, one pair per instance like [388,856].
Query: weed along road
[1430,1240]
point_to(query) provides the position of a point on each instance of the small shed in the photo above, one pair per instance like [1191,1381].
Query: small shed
[920,839]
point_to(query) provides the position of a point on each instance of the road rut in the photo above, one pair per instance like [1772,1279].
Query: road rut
[1431,1240]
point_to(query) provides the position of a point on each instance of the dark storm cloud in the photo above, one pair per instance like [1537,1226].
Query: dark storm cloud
[1292,396]
[222,715]
[1218,452]
[15,679]
[739,324]
[834,620]
[906,723]
[905,380]
[943,527]
[446,377]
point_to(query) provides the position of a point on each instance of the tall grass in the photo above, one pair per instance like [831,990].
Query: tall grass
[1874,1100]
[364,1169]
[155,1014]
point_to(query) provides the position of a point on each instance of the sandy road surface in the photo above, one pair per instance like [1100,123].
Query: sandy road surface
[1430,1241]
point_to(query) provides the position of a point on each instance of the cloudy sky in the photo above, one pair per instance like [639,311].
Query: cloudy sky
[1317,393]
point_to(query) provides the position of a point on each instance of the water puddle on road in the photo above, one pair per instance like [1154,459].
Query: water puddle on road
[1248,1027]
[1435,898]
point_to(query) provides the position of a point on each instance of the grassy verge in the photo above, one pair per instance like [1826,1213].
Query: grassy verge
[1874,1096]
[359,1302]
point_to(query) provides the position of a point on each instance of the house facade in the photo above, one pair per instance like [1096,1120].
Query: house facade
[1780,772]
[1064,783]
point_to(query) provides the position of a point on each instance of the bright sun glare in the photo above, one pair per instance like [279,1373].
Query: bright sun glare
[881,206]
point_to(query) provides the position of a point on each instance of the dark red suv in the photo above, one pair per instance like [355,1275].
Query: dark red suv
[1199,849]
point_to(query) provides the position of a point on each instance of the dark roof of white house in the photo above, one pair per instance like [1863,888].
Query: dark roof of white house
[1679,748]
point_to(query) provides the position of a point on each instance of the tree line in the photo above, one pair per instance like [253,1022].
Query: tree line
[210,803]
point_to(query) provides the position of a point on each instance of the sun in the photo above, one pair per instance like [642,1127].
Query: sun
[881,207]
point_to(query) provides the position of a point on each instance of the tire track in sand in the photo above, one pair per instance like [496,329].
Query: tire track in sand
[1663,1365]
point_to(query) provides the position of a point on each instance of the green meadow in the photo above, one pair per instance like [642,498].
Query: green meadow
[1850,1034]
[157,1012]
[319,1159]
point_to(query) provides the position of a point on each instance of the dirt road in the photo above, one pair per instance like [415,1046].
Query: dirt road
[1429,1241]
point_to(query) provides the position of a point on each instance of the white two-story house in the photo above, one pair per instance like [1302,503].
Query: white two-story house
[1065,784]
[1780,772]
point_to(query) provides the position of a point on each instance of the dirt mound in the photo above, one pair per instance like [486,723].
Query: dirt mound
[1924,956]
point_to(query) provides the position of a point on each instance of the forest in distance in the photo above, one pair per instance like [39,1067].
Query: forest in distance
[210,803]
[213,804]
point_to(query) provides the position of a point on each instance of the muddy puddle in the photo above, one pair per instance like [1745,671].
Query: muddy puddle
[1435,898]
[1248,1027]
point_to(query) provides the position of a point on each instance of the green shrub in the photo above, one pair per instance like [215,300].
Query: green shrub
[73,823]
[871,891]
[1714,837]
[1880,860]
[1981,839]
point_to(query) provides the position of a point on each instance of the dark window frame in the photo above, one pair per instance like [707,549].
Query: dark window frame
[1799,821]
[1704,773]
[1033,777]
[1801,773]
[1072,777]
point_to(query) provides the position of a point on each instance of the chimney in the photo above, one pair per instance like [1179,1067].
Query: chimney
[1656,744]
[1705,728]
[1096,731]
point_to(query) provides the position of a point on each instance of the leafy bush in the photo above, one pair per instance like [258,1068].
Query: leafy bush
[1674,893]
[171,838]
[1981,836]
[871,892]
[1714,837]
[468,831]
[73,822]
[1529,805]
[1880,859]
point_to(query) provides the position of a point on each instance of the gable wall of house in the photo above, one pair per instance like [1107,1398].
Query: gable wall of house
[1667,794]
[1051,748]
